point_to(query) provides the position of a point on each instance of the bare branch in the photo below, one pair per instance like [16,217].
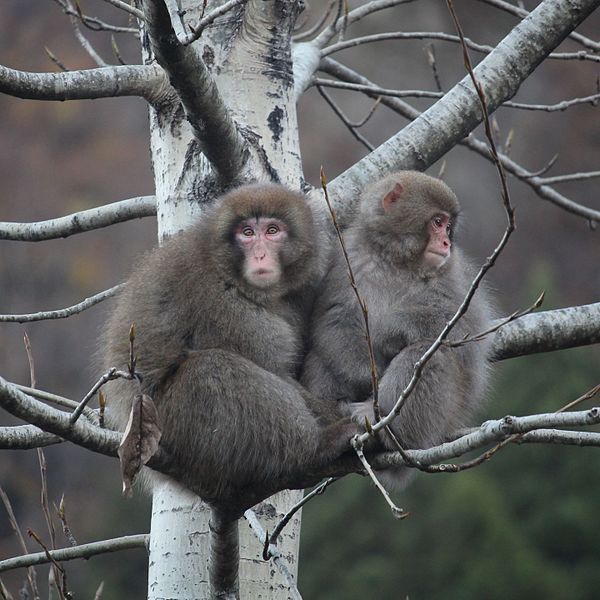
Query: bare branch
[352,17]
[136,12]
[398,512]
[85,220]
[497,430]
[83,551]
[543,191]
[75,16]
[209,19]
[570,177]
[279,560]
[94,23]
[26,437]
[374,90]
[520,12]
[308,33]
[445,37]
[146,81]
[344,119]
[55,399]
[214,128]
[548,331]
[57,422]
[63,313]
[450,119]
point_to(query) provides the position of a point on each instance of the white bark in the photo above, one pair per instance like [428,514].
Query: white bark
[257,86]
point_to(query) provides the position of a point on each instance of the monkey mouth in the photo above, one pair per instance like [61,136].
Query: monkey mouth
[263,278]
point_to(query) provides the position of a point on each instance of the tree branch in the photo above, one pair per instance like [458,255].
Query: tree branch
[85,220]
[531,179]
[146,81]
[57,422]
[26,437]
[63,313]
[214,128]
[548,331]
[450,119]
[82,551]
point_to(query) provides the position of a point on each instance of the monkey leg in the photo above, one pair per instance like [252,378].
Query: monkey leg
[438,405]
[230,424]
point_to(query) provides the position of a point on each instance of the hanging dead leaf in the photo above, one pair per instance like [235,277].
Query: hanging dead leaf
[140,439]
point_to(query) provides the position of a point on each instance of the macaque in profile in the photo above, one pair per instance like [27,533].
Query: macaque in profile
[412,278]
[220,316]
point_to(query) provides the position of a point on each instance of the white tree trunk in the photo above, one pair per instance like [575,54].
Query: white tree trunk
[265,106]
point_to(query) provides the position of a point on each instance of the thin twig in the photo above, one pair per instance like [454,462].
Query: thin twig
[58,571]
[136,12]
[110,375]
[54,59]
[208,20]
[31,572]
[30,360]
[361,302]
[92,22]
[319,490]
[444,37]
[399,513]
[374,90]
[85,43]
[338,111]
[279,560]
[63,313]
[304,35]
[501,323]
[62,515]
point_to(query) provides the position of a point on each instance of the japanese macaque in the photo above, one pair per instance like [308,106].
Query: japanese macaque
[220,318]
[411,276]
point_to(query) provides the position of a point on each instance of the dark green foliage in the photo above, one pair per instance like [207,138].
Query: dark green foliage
[522,526]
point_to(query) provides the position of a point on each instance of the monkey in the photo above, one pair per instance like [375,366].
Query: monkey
[413,278]
[220,315]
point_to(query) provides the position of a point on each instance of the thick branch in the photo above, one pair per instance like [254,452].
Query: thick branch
[26,437]
[146,81]
[536,183]
[450,119]
[547,331]
[82,551]
[57,422]
[85,220]
[215,130]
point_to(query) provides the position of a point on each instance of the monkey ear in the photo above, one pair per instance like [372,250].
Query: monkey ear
[390,199]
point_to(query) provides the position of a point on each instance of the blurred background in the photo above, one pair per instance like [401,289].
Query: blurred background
[521,526]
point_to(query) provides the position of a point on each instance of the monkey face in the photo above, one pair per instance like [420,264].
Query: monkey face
[261,240]
[437,251]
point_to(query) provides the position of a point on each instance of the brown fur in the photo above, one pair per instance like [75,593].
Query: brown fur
[218,356]
[409,304]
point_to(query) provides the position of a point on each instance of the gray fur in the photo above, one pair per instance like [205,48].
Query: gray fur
[219,356]
[408,306]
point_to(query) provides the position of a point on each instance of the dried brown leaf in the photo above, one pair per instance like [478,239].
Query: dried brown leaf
[140,439]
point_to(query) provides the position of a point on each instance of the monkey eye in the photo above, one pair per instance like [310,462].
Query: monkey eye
[438,222]
[272,229]
[247,231]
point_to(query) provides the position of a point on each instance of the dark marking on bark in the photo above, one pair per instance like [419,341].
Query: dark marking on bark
[208,56]
[253,140]
[274,120]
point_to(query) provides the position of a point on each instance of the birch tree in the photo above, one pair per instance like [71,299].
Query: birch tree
[222,80]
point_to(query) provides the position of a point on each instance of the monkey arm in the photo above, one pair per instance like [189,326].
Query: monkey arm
[451,385]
